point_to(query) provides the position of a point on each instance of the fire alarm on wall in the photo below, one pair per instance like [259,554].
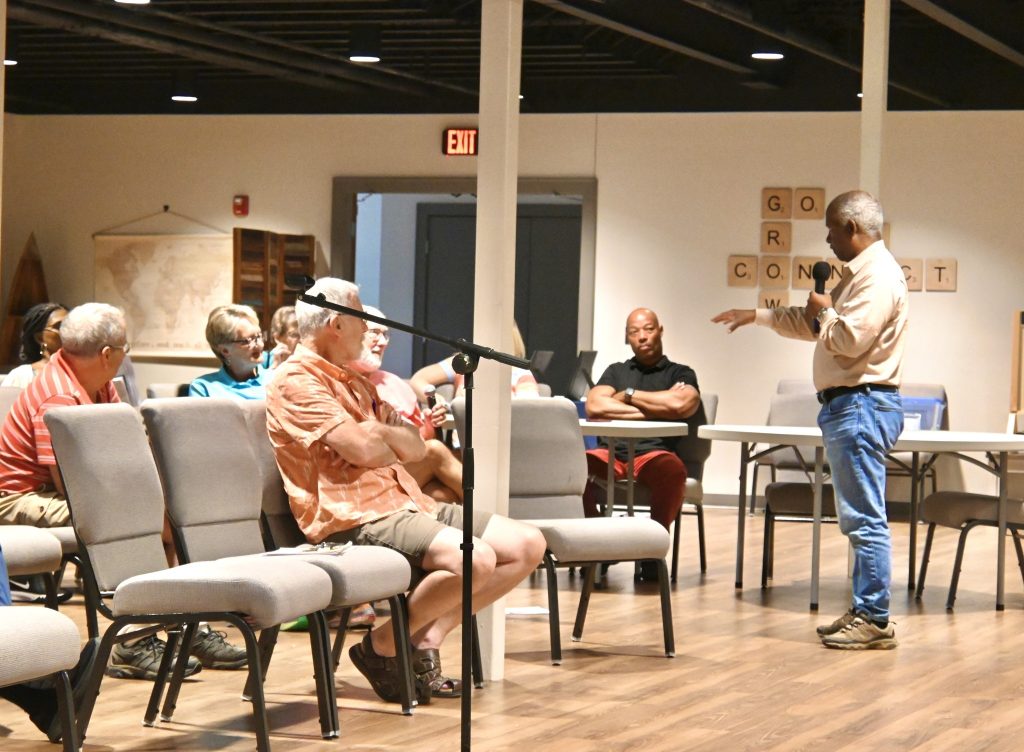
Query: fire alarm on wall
[240,205]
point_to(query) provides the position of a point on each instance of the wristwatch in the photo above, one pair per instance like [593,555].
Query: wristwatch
[630,391]
[822,313]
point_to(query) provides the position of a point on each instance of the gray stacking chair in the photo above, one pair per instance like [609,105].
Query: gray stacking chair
[693,451]
[117,509]
[547,475]
[791,501]
[32,551]
[37,643]
[788,408]
[215,484]
[66,535]
[162,390]
[964,511]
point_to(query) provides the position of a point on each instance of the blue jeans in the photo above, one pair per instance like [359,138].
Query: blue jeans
[858,430]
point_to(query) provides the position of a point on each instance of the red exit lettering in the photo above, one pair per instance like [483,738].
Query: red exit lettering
[459,142]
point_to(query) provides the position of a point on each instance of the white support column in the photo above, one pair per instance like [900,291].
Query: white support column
[497,172]
[875,87]
[3,102]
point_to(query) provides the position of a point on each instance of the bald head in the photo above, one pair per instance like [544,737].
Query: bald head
[643,334]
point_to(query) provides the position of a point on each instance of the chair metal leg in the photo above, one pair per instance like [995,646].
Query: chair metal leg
[766,547]
[675,544]
[1020,551]
[753,490]
[339,638]
[93,681]
[259,706]
[403,648]
[701,543]
[52,602]
[178,675]
[553,626]
[581,610]
[951,597]
[478,661]
[267,642]
[66,711]
[166,664]
[666,610]
[323,674]
[925,555]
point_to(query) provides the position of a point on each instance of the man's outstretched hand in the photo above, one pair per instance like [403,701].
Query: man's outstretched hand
[734,318]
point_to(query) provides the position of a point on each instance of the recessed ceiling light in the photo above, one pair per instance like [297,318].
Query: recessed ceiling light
[184,98]
[767,55]
[132,2]
[364,58]
[860,94]
[8,61]
[364,44]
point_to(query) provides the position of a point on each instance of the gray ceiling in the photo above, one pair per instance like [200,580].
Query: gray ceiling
[290,56]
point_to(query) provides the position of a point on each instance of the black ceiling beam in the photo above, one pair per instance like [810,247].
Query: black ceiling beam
[742,16]
[966,30]
[129,26]
[645,36]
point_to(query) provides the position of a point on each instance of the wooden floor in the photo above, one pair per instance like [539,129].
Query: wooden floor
[749,672]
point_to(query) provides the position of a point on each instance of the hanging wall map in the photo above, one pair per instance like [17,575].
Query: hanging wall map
[166,285]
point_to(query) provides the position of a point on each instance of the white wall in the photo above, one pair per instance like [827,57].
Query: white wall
[676,195]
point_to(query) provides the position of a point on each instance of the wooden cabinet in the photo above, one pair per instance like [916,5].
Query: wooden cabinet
[262,259]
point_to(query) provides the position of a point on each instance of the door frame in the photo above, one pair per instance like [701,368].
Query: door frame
[343,224]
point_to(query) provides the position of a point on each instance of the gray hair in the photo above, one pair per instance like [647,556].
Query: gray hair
[90,327]
[313,318]
[222,322]
[860,207]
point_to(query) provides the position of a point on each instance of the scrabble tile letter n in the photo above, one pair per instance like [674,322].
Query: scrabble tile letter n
[776,203]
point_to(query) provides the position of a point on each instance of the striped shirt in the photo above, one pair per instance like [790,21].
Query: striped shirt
[308,398]
[26,454]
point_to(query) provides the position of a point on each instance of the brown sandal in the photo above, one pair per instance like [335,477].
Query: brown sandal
[380,671]
[426,664]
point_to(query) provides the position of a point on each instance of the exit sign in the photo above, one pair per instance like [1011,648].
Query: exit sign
[460,142]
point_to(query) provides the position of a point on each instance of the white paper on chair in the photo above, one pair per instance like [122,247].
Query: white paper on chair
[329,549]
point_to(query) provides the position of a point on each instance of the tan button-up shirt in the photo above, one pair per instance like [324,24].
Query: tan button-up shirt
[307,398]
[862,342]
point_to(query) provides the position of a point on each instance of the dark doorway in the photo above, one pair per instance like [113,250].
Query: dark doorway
[547,280]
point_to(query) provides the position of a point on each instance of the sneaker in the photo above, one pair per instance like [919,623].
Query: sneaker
[862,634]
[214,651]
[842,621]
[362,617]
[141,660]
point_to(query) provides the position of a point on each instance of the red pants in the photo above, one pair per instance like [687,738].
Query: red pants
[662,472]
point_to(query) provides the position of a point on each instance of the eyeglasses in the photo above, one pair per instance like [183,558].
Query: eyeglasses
[256,339]
[126,347]
[379,333]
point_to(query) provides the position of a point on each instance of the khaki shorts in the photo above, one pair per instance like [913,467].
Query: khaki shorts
[39,509]
[411,533]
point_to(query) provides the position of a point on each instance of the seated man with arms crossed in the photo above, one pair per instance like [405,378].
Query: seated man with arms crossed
[439,473]
[648,386]
[341,451]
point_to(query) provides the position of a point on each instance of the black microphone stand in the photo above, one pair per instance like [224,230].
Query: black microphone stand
[465,362]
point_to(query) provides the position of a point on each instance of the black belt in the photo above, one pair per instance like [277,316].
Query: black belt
[827,395]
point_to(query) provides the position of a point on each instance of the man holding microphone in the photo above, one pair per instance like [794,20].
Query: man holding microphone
[857,364]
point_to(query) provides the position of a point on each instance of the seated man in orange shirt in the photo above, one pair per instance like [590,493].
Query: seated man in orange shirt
[341,451]
[439,473]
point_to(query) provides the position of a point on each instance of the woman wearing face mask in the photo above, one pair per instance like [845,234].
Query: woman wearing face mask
[40,338]
[234,334]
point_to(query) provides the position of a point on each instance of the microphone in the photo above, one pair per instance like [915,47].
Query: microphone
[821,271]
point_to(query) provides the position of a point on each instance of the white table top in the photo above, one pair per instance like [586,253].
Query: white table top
[633,429]
[909,441]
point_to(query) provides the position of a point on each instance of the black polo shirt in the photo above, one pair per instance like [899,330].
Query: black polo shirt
[656,378]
